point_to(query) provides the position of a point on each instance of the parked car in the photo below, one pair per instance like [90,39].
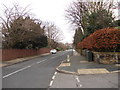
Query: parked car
[53,51]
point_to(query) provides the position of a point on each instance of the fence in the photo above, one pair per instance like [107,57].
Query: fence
[9,54]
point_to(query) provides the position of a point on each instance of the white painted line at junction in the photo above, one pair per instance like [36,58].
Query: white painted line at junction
[51,83]
[77,79]
[55,73]
[16,72]
[53,77]
[80,85]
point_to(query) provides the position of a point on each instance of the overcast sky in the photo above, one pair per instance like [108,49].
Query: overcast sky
[47,10]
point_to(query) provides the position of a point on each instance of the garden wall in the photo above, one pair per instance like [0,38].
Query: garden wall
[106,57]
[9,54]
[43,50]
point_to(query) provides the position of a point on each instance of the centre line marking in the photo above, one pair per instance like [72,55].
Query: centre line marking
[16,72]
[41,61]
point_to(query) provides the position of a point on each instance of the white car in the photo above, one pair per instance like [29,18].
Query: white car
[53,51]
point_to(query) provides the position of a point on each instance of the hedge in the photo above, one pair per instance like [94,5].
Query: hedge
[103,40]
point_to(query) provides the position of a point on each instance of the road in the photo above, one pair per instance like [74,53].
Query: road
[35,73]
[86,81]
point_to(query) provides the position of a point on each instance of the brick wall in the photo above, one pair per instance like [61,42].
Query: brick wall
[0,54]
[9,54]
[43,50]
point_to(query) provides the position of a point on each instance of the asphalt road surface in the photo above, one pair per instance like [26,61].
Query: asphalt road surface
[34,73]
[86,81]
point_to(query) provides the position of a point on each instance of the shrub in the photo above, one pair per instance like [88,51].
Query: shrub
[36,43]
[103,40]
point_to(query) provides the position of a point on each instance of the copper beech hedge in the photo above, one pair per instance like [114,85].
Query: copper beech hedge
[103,40]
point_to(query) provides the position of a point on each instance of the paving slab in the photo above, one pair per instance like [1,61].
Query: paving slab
[92,71]
[64,64]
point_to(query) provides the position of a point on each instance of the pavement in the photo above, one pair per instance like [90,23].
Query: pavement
[19,60]
[79,65]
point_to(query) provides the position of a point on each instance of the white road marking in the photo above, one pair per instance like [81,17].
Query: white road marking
[77,79]
[51,83]
[55,73]
[41,61]
[80,85]
[53,77]
[16,72]
[22,69]
[38,62]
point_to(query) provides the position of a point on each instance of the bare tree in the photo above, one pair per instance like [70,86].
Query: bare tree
[79,11]
[8,17]
[13,13]
[54,34]
[61,46]
[17,26]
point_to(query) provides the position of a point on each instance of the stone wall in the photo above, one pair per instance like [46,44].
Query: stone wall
[106,57]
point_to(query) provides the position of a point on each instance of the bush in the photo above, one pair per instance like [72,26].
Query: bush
[103,40]
[36,43]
